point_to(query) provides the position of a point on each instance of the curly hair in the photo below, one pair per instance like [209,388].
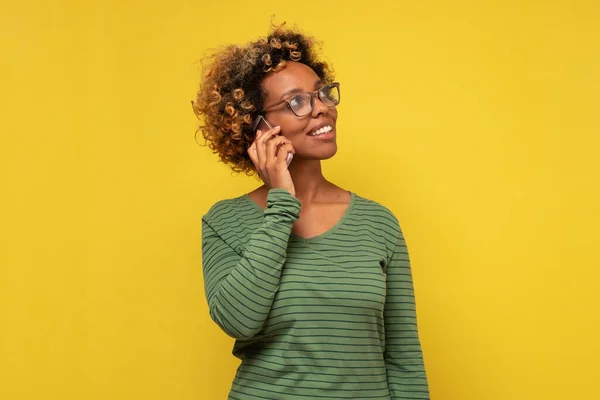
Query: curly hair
[231,93]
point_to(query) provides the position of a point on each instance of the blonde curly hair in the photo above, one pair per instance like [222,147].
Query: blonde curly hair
[231,93]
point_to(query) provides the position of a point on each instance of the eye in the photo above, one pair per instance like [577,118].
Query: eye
[330,93]
[297,101]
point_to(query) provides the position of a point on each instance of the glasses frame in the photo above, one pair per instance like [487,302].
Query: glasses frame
[312,95]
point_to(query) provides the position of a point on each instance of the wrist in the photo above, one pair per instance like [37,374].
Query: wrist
[282,203]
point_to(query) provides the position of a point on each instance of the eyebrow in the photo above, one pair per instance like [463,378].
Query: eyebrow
[298,90]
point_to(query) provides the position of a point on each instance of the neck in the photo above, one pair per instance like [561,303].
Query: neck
[308,180]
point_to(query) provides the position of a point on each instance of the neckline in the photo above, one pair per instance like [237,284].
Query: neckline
[323,235]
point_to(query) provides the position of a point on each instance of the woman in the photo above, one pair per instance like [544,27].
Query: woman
[313,281]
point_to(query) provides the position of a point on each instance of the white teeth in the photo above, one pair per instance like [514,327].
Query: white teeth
[324,129]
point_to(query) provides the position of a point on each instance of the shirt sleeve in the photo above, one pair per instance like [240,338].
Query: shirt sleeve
[406,374]
[240,288]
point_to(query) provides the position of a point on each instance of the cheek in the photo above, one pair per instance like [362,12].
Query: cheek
[291,125]
[333,113]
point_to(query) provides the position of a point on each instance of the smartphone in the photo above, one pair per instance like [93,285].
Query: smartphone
[261,123]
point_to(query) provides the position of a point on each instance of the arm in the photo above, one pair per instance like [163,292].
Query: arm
[403,357]
[240,288]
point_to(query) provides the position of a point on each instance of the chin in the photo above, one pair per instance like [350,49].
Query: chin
[319,154]
[327,155]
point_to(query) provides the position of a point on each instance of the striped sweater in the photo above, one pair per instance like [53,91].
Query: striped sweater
[328,317]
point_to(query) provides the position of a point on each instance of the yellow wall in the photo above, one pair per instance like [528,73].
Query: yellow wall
[476,123]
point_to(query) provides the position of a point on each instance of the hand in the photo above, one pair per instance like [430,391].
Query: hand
[269,155]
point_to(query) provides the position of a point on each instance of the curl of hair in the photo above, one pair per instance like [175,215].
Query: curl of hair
[231,93]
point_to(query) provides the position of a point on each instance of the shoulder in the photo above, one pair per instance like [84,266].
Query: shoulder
[233,220]
[375,212]
[384,219]
[226,210]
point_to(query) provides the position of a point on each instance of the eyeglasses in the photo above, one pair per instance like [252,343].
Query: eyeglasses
[303,103]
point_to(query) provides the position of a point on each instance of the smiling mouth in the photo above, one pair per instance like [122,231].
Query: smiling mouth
[320,131]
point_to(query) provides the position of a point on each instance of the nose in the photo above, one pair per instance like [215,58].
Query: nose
[318,107]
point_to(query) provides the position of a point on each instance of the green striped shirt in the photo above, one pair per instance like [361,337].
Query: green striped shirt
[329,317]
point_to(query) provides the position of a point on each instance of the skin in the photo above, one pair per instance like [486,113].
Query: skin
[323,203]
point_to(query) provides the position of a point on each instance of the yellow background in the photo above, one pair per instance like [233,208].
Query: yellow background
[476,122]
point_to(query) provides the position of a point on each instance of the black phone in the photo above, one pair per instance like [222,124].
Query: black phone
[260,123]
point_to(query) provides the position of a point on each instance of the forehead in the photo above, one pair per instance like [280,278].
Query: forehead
[295,75]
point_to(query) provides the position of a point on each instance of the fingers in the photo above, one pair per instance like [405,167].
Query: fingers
[261,145]
[253,151]
[264,151]
[261,151]
[269,153]
[272,147]
[282,154]
[253,154]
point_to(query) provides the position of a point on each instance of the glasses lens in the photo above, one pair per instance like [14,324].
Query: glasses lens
[300,104]
[330,95]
